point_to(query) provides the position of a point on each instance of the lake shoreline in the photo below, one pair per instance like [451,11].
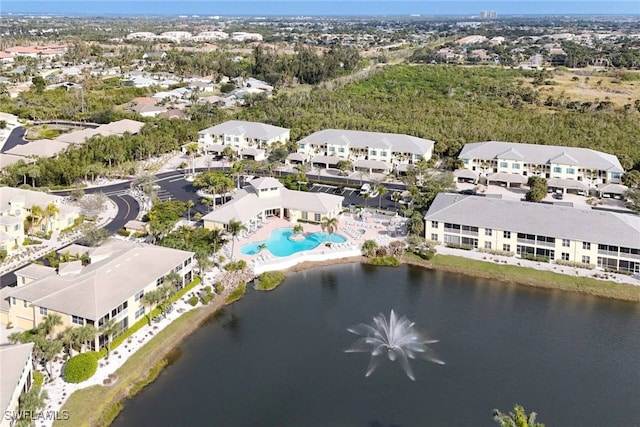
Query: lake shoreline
[107,411]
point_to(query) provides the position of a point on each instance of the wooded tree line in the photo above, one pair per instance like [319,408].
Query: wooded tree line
[453,106]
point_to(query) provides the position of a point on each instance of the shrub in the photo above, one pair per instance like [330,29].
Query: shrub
[236,265]
[425,253]
[237,293]
[269,280]
[81,367]
[3,254]
[456,246]
[575,264]
[535,258]
[218,287]
[206,298]
[385,261]
[207,289]
[193,301]
[38,379]
[495,252]
[123,232]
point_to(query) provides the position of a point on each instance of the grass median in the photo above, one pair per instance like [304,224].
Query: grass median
[529,276]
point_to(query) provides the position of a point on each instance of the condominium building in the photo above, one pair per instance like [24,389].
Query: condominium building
[241,135]
[16,206]
[369,151]
[110,286]
[265,197]
[567,168]
[16,377]
[604,239]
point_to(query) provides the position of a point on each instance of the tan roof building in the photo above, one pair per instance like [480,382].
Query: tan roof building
[15,377]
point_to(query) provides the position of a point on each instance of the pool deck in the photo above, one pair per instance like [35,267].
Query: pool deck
[354,228]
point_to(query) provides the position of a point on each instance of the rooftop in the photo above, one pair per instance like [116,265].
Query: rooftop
[361,139]
[247,129]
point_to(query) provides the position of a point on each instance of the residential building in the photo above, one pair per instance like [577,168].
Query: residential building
[111,286]
[607,240]
[369,151]
[266,197]
[566,168]
[239,135]
[16,206]
[16,377]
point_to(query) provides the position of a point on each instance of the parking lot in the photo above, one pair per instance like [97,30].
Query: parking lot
[352,196]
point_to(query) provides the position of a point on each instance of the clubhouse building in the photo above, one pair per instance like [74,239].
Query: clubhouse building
[565,168]
[606,240]
[110,286]
[368,151]
[267,197]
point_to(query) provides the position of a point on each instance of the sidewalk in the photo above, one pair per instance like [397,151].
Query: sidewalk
[556,268]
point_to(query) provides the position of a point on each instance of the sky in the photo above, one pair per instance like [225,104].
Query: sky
[319,7]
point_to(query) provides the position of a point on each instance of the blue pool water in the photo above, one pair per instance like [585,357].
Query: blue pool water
[280,243]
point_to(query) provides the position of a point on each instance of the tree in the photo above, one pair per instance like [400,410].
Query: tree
[30,404]
[365,197]
[49,323]
[166,292]
[38,84]
[37,214]
[84,334]
[633,196]
[382,190]
[189,204]
[416,224]
[234,228]
[191,150]
[173,279]
[151,299]
[537,189]
[517,418]
[51,211]
[396,196]
[631,178]
[34,172]
[298,229]
[330,225]
[369,248]
[108,329]
[93,236]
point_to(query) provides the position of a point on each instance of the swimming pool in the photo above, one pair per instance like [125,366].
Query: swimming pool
[280,242]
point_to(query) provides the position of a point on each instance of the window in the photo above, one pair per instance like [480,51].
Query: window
[316,217]
[301,146]
[187,262]
[506,234]
[571,171]
[434,236]
[341,150]
[13,301]
[557,169]
[236,139]
[24,303]
[466,161]
[374,152]
[487,245]
[305,216]
[504,165]
[515,166]
[139,295]
[565,243]
[434,224]
[565,256]
[488,232]
[77,320]
[586,246]
[383,153]
[160,281]
[615,175]
[506,248]
[139,312]
[332,149]
[586,259]
[16,227]
[228,138]
[43,311]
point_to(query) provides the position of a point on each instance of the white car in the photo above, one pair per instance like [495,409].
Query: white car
[365,189]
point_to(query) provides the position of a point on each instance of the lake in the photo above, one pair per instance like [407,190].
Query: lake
[277,358]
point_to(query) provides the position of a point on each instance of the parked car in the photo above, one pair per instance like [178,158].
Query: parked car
[365,189]
[468,192]
[558,196]
[338,190]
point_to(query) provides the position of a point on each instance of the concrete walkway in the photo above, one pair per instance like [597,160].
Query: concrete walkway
[556,268]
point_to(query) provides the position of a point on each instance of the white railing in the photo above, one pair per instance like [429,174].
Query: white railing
[330,253]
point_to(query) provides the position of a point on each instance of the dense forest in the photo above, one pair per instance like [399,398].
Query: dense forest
[453,106]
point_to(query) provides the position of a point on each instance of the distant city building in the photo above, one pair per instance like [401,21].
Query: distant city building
[493,14]
[483,14]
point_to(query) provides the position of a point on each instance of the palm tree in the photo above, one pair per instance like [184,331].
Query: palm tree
[189,205]
[173,279]
[51,211]
[369,248]
[365,197]
[298,229]
[84,334]
[382,190]
[217,239]
[396,196]
[151,299]
[166,291]
[330,225]
[517,418]
[31,403]
[191,150]
[37,214]
[262,246]
[68,339]
[49,323]
[108,329]
[234,228]
[416,224]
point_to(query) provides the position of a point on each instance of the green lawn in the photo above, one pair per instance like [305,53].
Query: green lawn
[530,277]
